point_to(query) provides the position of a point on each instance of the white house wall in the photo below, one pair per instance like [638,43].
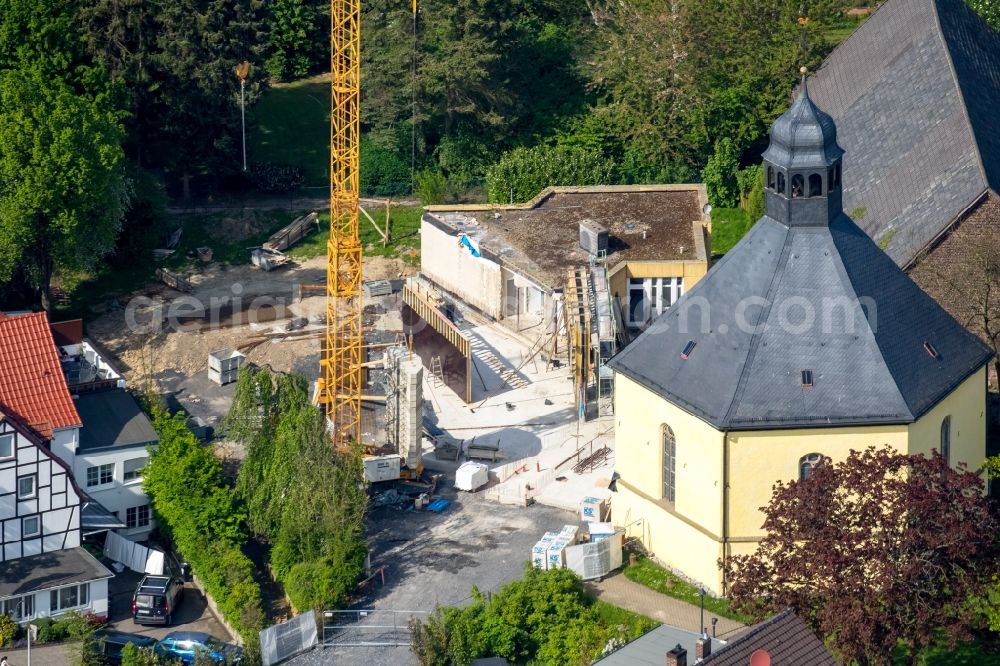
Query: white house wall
[477,281]
[119,495]
[64,443]
[56,501]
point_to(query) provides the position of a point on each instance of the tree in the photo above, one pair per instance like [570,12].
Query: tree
[719,175]
[293,38]
[524,172]
[674,78]
[306,500]
[880,548]
[62,186]
[989,10]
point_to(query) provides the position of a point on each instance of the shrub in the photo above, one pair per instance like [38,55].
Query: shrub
[8,631]
[132,655]
[90,652]
[524,172]
[431,187]
[79,625]
[51,631]
[274,177]
[751,184]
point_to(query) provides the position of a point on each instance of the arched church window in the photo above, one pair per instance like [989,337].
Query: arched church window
[669,463]
[770,178]
[798,185]
[807,463]
[946,439]
[781,183]
[815,185]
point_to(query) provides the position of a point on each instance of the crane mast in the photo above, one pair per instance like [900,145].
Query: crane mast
[339,389]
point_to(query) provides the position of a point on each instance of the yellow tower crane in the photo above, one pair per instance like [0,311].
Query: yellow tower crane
[339,389]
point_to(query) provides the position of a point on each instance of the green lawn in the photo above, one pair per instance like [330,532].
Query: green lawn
[728,227]
[648,573]
[292,126]
[404,235]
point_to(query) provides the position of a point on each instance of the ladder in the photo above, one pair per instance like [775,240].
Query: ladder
[436,370]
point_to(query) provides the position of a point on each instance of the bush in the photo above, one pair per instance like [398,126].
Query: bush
[79,625]
[383,172]
[132,655]
[51,631]
[546,618]
[8,631]
[431,187]
[274,177]
[524,172]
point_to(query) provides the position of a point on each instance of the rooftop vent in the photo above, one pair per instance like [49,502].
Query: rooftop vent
[929,348]
[593,238]
[688,348]
[807,379]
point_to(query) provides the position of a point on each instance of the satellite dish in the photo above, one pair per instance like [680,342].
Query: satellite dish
[706,209]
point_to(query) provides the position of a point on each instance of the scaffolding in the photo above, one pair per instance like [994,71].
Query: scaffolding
[591,332]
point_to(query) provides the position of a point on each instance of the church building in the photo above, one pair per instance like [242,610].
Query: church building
[805,340]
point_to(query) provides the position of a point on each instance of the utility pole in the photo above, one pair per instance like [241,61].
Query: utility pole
[242,72]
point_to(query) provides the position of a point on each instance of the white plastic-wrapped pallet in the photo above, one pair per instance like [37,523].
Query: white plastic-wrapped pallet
[471,476]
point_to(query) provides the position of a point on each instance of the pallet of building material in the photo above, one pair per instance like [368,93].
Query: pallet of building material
[174,281]
[267,260]
[285,238]
[373,288]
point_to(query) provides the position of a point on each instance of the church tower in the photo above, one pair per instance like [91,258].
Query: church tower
[802,166]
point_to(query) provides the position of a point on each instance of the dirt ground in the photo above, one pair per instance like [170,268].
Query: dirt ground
[175,350]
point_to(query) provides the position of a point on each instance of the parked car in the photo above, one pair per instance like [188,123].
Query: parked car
[184,645]
[156,599]
[113,642]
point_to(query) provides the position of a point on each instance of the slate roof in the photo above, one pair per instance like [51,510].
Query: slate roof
[915,92]
[47,570]
[32,385]
[791,298]
[113,419]
[785,638]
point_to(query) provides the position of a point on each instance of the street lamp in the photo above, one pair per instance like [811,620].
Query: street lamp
[704,629]
[242,71]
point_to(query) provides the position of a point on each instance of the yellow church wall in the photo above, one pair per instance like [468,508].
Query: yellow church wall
[639,453]
[967,407]
[759,458]
[668,538]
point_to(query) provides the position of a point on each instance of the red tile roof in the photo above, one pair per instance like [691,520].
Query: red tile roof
[32,385]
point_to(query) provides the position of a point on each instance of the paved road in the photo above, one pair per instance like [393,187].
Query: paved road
[624,593]
[433,560]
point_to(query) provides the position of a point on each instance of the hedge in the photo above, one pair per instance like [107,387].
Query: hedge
[197,510]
